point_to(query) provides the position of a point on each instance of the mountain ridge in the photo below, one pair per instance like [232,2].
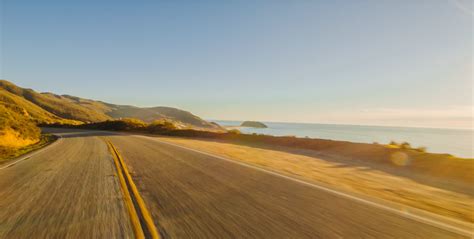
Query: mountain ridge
[49,107]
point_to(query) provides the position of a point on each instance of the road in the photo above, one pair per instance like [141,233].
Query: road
[69,190]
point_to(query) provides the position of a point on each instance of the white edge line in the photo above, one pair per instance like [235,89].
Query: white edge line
[393,210]
[29,155]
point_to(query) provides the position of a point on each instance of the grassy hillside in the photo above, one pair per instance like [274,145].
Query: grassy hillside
[17,129]
[60,106]
[21,110]
[159,113]
[18,120]
[49,108]
[36,113]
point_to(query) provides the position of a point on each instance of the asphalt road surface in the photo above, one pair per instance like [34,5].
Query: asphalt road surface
[69,191]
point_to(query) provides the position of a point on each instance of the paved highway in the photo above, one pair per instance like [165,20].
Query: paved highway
[69,190]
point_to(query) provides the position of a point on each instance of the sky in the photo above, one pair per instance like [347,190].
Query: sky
[403,63]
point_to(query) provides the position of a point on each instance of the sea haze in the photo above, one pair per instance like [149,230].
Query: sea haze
[457,142]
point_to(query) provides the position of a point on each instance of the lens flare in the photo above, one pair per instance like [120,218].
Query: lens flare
[400,159]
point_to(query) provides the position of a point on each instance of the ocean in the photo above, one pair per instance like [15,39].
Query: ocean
[458,142]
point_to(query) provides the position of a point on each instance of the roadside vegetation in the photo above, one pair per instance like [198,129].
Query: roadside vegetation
[7,153]
[127,124]
[406,145]
[16,127]
[18,132]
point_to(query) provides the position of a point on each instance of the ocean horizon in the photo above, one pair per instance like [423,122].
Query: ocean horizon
[457,142]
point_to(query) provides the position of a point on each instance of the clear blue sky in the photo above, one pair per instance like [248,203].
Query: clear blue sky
[361,62]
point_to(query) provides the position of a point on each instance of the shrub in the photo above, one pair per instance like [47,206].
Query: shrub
[158,126]
[421,149]
[121,124]
[405,145]
[234,131]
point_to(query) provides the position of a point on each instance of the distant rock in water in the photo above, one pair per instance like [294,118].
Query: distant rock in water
[253,124]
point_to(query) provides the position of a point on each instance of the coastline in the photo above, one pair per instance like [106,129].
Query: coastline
[439,141]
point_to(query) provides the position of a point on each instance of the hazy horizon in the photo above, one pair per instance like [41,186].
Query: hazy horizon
[346,124]
[366,63]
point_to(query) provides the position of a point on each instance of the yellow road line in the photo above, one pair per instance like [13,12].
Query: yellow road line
[137,228]
[120,164]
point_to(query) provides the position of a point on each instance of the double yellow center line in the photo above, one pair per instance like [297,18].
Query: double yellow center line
[128,185]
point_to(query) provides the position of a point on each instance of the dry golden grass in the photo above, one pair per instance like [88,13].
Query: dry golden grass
[66,109]
[7,153]
[35,112]
[18,132]
[13,139]
[362,180]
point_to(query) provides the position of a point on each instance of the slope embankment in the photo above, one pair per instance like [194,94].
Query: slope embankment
[16,130]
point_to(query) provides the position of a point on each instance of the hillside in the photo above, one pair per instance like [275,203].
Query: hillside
[35,112]
[16,127]
[18,119]
[158,113]
[18,131]
[49,108]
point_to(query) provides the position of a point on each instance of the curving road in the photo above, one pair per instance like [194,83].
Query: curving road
[69,191]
